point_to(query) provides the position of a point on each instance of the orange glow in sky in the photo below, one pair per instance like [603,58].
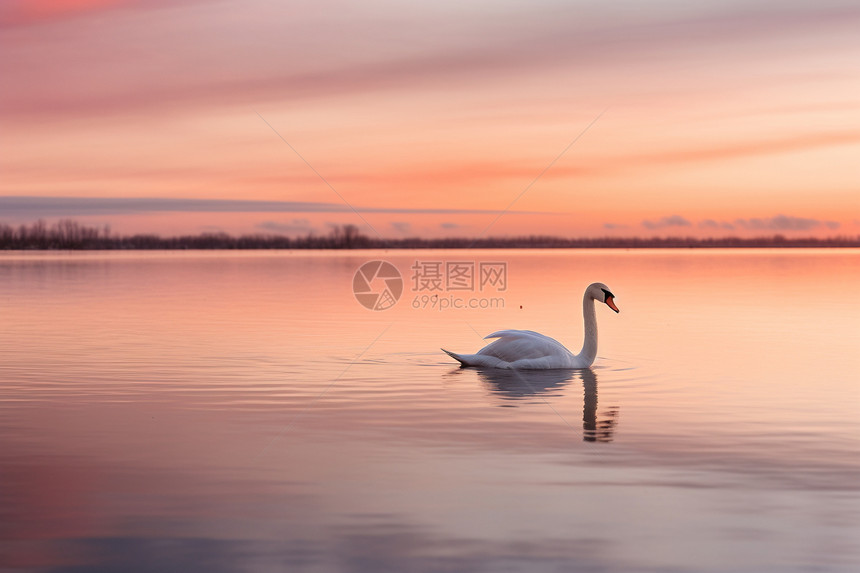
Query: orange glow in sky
[577,118]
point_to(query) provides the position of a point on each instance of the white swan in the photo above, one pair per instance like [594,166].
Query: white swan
[528,350]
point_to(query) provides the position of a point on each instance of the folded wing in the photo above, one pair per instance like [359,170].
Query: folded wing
[513,345]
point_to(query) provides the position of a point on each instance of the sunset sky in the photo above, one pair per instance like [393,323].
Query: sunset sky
[430,118]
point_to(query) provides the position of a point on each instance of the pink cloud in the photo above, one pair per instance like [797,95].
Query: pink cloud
[25,12]
[198,57]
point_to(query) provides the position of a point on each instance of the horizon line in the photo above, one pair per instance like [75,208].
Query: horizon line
[70,235]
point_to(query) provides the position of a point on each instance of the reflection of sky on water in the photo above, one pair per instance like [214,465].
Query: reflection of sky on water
[179,412]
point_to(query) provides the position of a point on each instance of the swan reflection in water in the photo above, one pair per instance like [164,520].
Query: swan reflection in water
[524,384]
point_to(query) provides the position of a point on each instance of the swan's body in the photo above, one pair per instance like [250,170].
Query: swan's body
[527,350]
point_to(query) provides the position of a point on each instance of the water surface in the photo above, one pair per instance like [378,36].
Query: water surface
[228,411]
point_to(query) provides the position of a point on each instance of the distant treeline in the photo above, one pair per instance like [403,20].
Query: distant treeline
[71,235]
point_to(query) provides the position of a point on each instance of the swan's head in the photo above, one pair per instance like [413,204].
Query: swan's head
[601,292]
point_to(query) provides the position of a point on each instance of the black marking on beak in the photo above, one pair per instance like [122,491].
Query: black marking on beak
[606,294]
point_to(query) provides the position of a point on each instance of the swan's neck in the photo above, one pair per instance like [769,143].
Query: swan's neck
[589,343]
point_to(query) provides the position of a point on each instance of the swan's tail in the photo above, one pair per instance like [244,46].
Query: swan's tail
[462,360]
[479,360]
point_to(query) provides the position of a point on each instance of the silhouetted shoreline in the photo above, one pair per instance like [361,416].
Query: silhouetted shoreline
[71,235]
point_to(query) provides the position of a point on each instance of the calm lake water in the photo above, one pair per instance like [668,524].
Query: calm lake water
[224,411]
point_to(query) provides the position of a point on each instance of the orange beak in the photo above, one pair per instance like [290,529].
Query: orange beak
[610,302]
